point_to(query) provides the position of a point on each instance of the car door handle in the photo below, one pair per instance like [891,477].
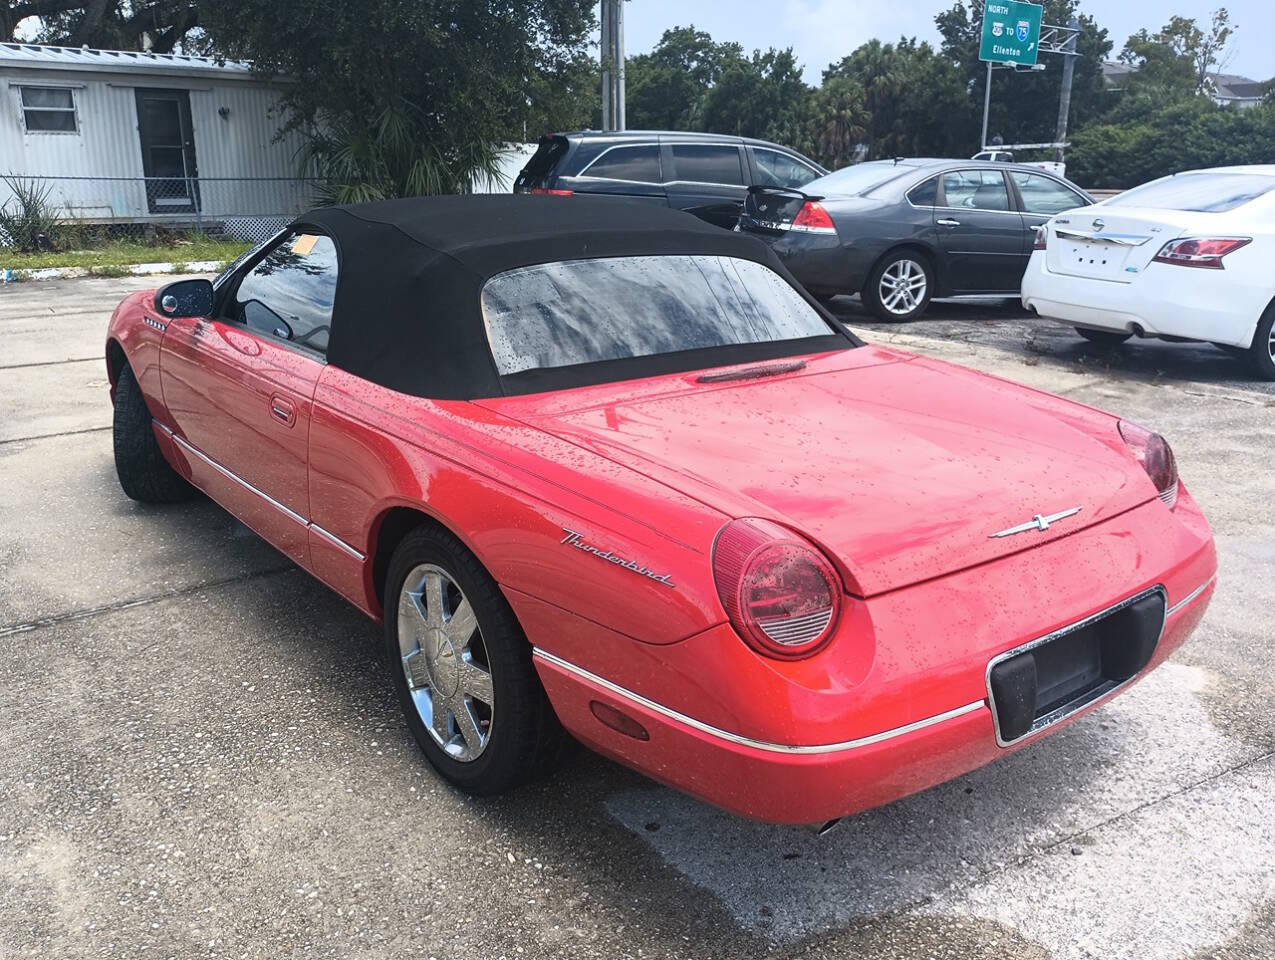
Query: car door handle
[947,222]
[283,410]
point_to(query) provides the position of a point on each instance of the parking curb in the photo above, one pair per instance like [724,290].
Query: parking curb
[110,270]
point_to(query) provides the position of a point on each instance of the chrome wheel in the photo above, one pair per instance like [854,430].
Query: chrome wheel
[902,287]
[445,662]
[1270,345]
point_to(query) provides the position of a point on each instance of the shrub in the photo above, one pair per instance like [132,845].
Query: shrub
[27,220]
[1180,136]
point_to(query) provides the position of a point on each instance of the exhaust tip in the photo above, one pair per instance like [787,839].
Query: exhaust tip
[825,828]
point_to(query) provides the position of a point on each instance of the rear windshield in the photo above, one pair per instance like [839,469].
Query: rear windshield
[585,311]
[857,179]
[542,162]
[1198,192]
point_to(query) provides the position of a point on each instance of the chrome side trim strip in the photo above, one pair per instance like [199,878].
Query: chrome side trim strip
[1191,597]
[333,539]
[743,741]
[290,514]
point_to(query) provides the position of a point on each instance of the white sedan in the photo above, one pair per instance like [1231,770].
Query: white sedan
[1185,257]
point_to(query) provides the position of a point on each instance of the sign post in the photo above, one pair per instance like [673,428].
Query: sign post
[1011,35]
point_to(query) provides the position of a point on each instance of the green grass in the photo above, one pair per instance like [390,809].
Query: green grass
[120,253]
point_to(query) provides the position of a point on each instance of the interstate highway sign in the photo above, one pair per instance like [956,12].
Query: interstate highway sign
[1011,32]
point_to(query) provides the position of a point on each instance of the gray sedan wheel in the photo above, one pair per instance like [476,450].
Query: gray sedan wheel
[900,287]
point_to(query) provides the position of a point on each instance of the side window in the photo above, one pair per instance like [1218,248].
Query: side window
[640,163]
[775,169]
[925,195]
[48,109]
[1045,196]
[289,293]
[975,189]
[702,163]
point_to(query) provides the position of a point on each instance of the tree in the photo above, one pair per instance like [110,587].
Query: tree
[760,96]
[1181,58]
[915,100]
[159,25]
[664,87]
[838,122]
[402,99]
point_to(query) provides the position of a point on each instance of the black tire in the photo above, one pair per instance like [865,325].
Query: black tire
[1262,352]
[143,472]
[1105,338]
[896,261]
[525,738]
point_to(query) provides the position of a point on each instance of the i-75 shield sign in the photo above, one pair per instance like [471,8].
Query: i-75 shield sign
[1011,32]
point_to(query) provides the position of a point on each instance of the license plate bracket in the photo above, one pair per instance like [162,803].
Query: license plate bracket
[1040,682]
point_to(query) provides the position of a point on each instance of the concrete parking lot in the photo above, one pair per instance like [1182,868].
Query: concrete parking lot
[200,754]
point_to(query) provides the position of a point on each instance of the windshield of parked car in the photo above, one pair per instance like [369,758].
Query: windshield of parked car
[857,179]
[584,311]
[1198,192]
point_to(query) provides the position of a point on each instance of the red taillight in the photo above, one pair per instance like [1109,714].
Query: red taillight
[1204,252]
[813,218]
[1156,456]
[547,192]
[1042,238]
[782,595]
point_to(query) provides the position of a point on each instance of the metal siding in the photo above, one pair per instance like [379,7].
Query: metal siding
[107,144]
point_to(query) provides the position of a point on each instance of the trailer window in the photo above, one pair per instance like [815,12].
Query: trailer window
[48,109]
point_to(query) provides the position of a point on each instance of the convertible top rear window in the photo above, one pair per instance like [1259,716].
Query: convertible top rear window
[619,308]
[1198,192]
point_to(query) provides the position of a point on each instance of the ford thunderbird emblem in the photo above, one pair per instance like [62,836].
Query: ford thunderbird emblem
[1038,522]
[574,539]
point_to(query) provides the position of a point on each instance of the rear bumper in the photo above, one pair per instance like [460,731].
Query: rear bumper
[821,263]
[812,784]
[810,742]
[1219,306]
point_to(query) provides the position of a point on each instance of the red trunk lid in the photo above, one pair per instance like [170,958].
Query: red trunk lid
[901,470]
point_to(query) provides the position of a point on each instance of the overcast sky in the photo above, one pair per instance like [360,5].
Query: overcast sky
[821,31]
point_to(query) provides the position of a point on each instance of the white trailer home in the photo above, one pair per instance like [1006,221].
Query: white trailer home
[130,137]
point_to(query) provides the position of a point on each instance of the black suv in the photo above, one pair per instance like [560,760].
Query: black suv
[706,174]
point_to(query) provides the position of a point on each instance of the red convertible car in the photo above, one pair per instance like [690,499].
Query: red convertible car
[607,470]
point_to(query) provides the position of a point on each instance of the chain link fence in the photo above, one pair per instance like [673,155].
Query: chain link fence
[239,208]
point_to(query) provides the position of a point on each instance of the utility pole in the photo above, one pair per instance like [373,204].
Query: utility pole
[612,64]
[1064,98]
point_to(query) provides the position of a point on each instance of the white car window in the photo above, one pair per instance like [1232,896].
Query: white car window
[1045,196]
[1204,192]
[975,189]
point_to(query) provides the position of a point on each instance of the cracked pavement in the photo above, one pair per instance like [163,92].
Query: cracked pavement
[200,754]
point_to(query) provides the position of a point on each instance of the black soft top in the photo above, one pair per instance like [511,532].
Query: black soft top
[408,313]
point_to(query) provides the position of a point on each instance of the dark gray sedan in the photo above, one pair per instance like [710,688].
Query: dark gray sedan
[900,232]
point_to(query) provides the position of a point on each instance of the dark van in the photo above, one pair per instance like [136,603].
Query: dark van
[706,174]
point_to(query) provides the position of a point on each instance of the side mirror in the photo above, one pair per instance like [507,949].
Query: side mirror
[185,298]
